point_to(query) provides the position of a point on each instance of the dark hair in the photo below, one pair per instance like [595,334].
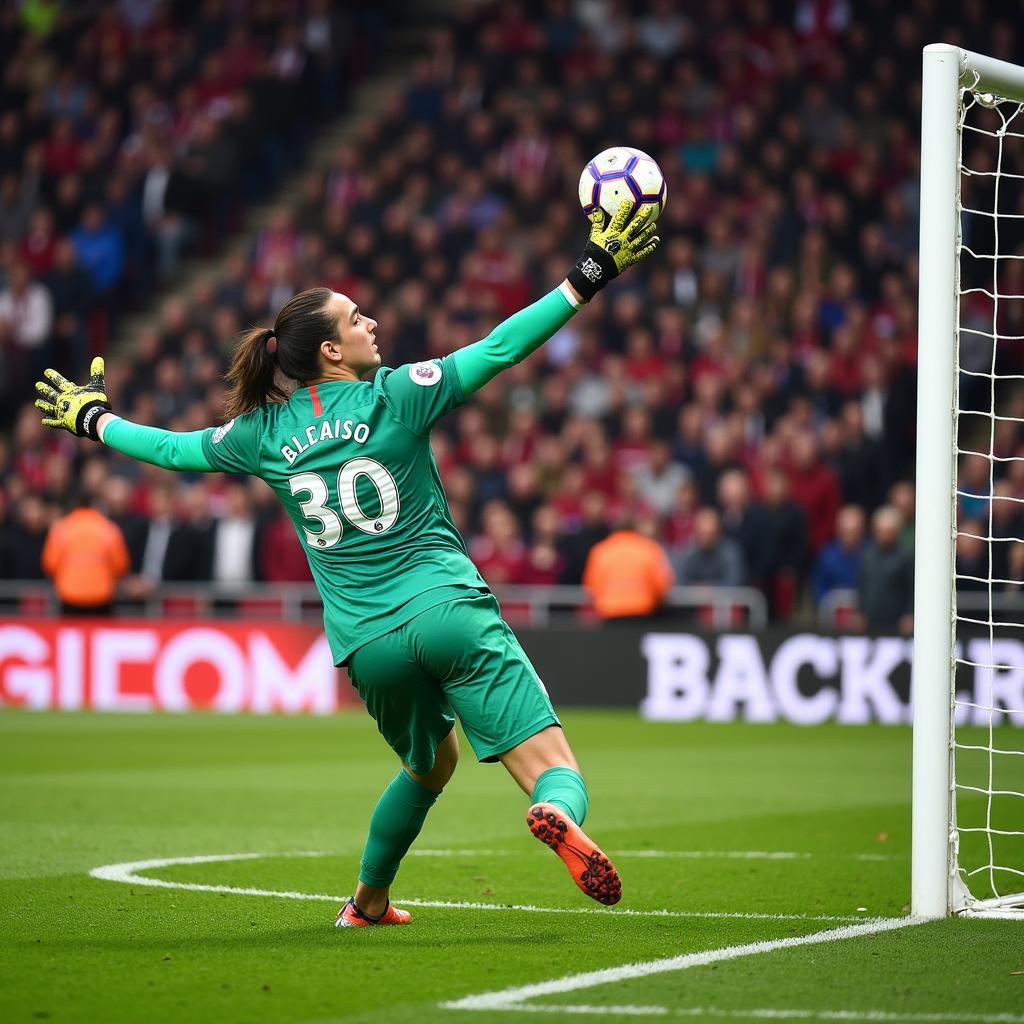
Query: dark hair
[302,325]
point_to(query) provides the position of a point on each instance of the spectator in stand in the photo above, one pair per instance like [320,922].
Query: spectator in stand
[838,565]
[885,591]
[545,563]
[1014,568]
[780,555]
[161,525]
[658,478]
[99,112]
[7,541]
[209,164]
[524,497]
[499,553]
[165,199]
[1007,526]
[234,539]
[720,456]
[972,564]
[118,498]
[975,486]
[16,205]
[189,555]
[710,559]
[29,537]
[593,529]
[85,556]
[282,558]
[37,247]
[27,309]
[628,574]
[862,463]
[815,489]
[903,498]
[782,299]
[485,463]
[742,517]
[100,249]
[73,298]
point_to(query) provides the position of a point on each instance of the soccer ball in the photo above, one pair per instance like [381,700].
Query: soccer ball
[622,173]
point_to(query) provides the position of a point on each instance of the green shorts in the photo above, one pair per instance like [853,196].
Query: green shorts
[459,658]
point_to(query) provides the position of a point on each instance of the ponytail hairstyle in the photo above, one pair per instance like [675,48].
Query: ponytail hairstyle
[292,346]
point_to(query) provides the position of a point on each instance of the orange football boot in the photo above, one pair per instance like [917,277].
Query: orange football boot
[350,916]
[591,870]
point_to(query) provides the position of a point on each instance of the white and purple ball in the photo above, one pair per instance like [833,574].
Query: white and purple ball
[622,173]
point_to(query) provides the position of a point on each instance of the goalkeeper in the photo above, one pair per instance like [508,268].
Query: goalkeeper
[404,607]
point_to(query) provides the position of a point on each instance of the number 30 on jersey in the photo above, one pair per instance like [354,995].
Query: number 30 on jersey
[315,506]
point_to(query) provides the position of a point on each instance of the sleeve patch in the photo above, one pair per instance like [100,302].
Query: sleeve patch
[425,374]
[221,431]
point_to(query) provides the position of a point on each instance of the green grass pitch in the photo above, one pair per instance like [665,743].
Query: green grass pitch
[690,813]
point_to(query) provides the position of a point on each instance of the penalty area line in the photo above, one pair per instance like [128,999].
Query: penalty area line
[514,998]
[642,854]
[770,1013]
[127,873]
[675,854]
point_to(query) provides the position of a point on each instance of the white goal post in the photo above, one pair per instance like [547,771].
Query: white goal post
[970,104]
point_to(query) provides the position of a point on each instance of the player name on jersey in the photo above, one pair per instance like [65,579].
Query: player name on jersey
[336,430]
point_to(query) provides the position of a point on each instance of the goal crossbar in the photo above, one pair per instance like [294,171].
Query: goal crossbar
[949,72]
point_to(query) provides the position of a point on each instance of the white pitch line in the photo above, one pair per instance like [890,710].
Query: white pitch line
[644,854]
[126,873]
[770,1013]
[510,998]
[673,854]
[587,1010]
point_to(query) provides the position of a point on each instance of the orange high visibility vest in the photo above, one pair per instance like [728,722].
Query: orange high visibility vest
[627,574]
[85,555]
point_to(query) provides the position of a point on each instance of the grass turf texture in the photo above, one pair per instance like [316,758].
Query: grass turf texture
[82,790]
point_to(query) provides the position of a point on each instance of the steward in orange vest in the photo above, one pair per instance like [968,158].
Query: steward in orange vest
[85,556]
[627,574]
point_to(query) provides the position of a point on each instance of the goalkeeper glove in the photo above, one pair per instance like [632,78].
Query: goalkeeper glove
[613,247]
[74,407]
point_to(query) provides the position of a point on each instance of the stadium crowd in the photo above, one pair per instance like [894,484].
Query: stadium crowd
[746,398]
[133,133]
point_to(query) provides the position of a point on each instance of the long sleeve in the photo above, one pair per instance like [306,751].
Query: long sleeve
[164,448]
[512,340]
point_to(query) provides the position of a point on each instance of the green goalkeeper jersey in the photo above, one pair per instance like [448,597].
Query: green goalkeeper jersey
[352,463]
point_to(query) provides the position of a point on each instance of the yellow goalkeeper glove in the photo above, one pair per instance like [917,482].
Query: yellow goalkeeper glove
[613,247]
[74,407]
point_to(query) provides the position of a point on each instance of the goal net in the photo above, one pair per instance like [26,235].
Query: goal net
[968,829]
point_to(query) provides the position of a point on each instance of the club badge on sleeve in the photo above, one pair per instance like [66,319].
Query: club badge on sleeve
[218,434]
[425,374]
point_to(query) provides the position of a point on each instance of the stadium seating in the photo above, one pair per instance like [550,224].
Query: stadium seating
[772,339]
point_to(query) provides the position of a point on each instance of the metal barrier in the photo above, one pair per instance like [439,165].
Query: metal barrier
[714,607]
[837,605]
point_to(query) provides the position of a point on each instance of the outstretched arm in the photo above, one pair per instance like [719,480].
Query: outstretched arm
[164,448]
[515,338]
[611,248]
[83,410]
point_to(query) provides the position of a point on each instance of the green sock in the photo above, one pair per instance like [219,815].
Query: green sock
[396,822]
[565,788]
